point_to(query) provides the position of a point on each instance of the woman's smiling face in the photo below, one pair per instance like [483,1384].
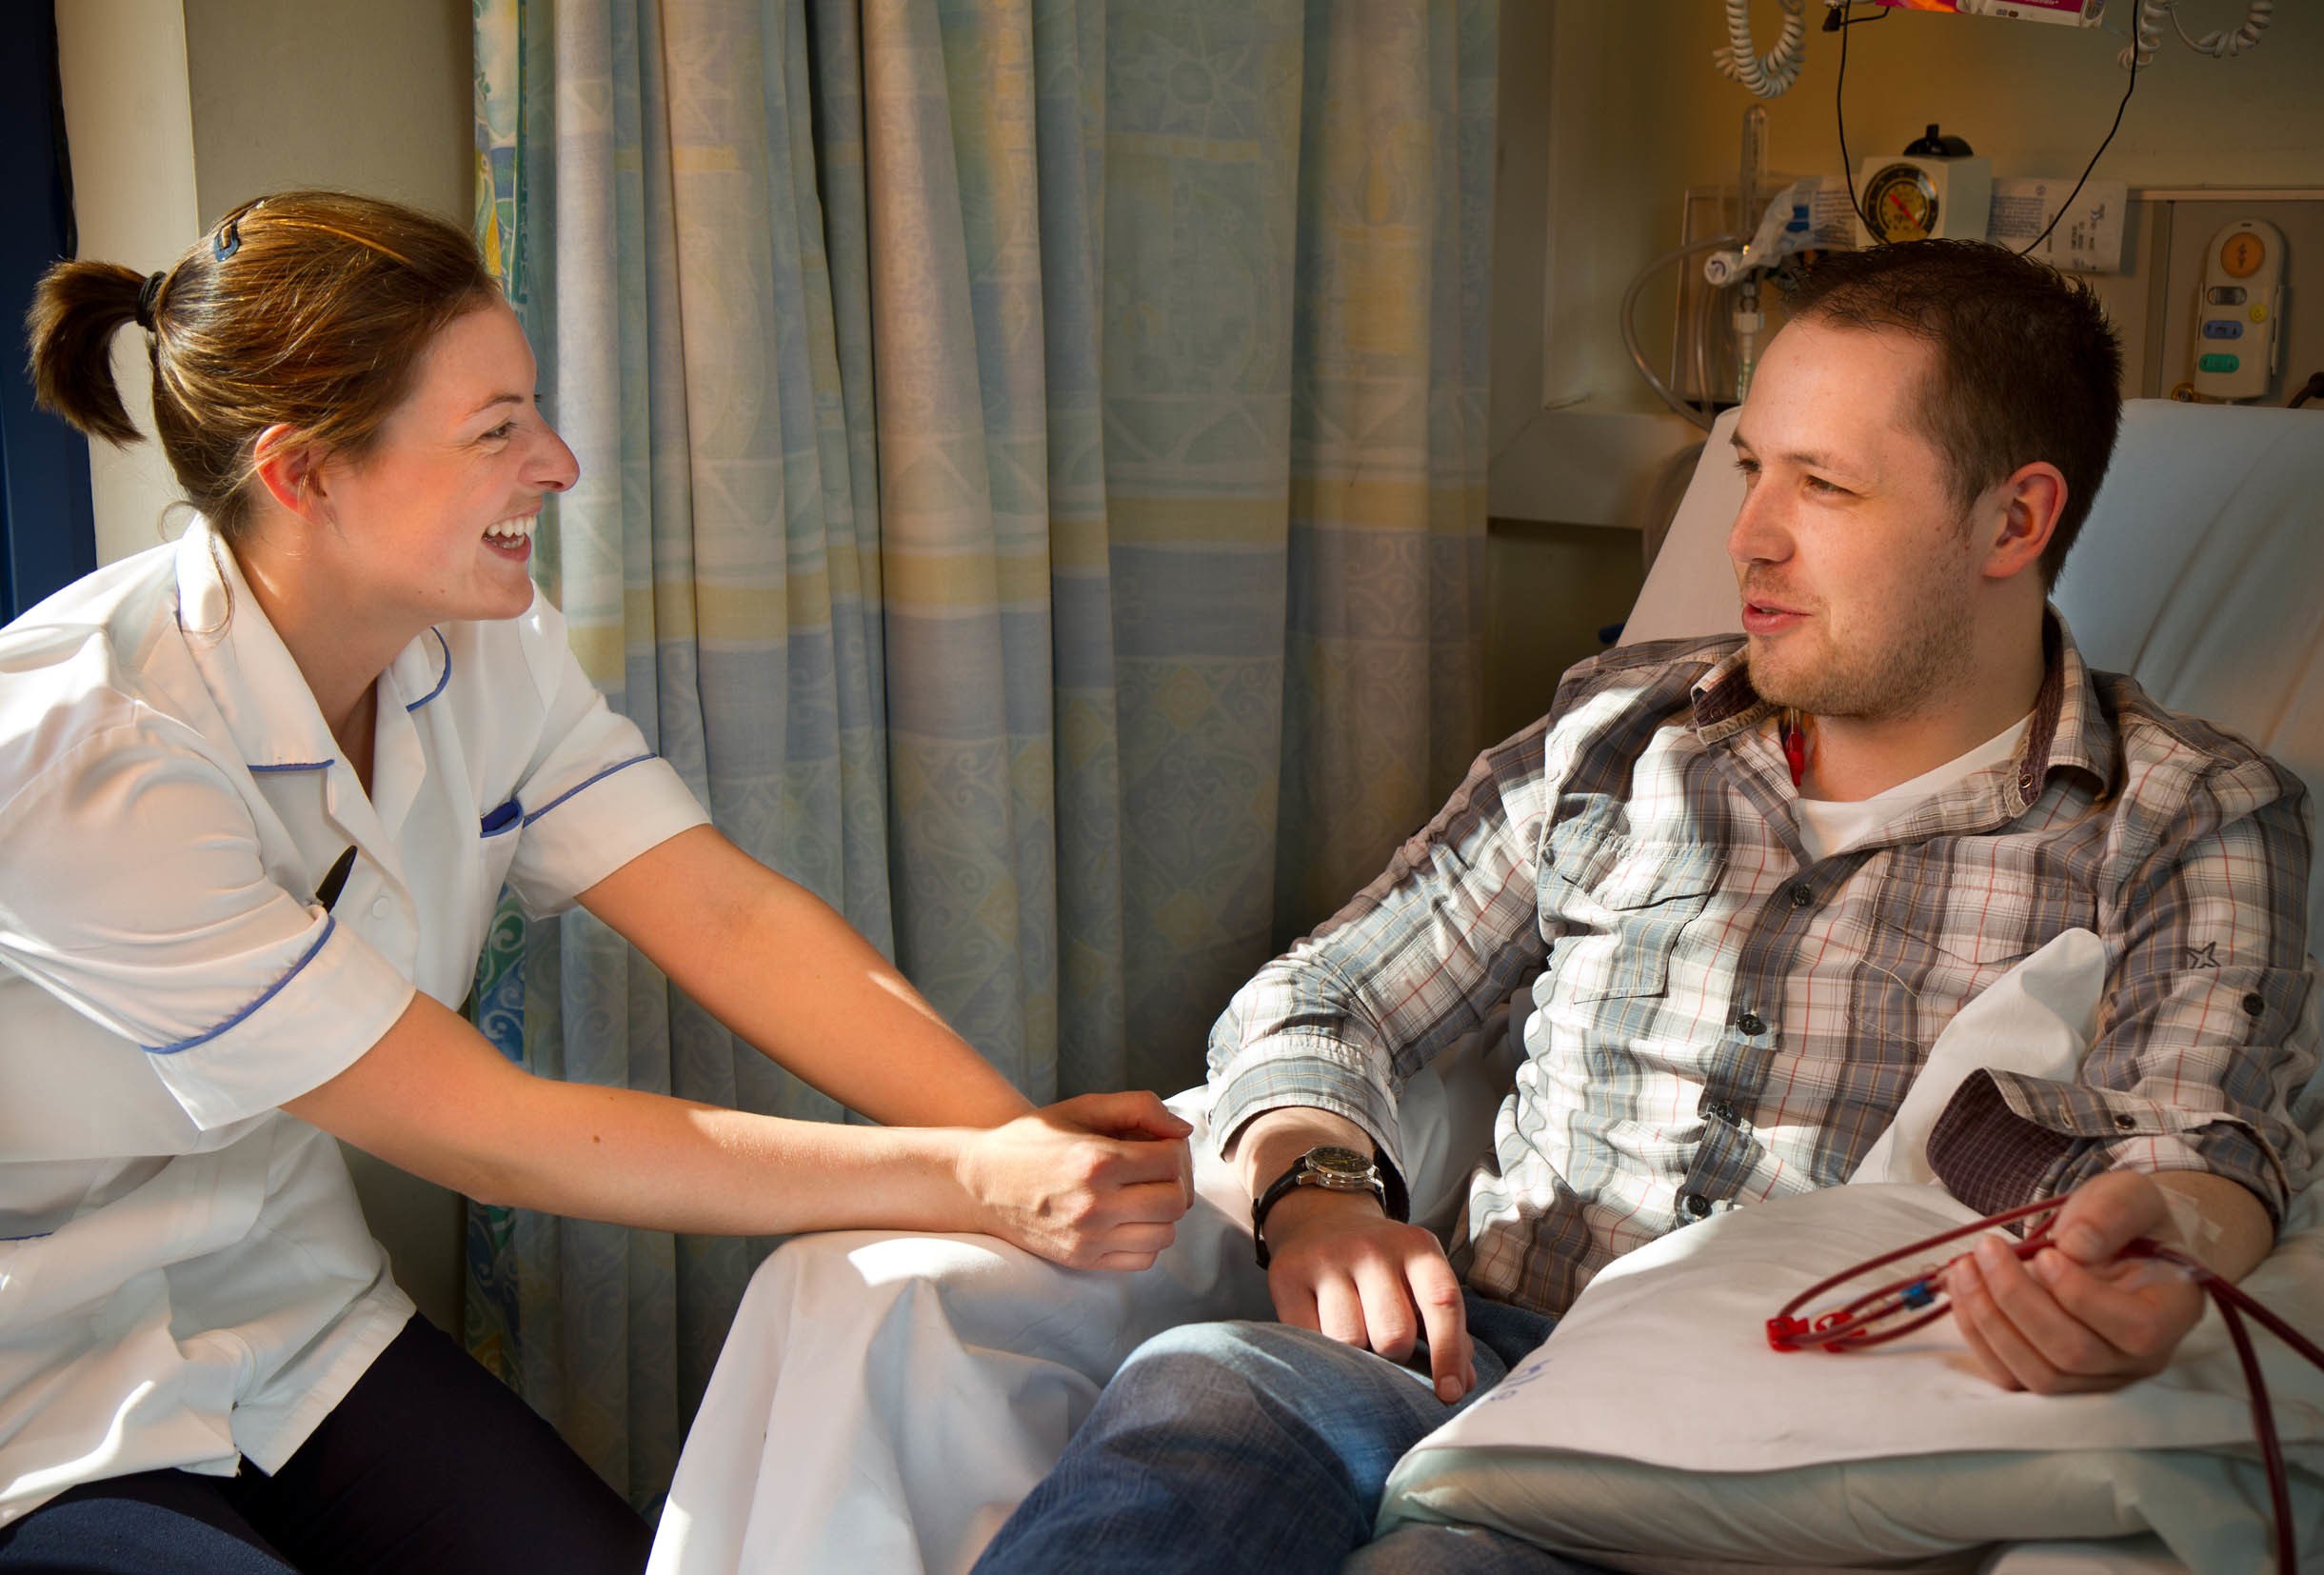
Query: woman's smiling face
[434,522]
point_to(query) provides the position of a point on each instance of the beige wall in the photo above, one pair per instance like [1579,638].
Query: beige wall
[130,129]
[1633,112]
[367,95]
[175,112]
[1611,108]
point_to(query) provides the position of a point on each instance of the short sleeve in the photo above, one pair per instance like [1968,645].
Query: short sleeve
[137,894]
[593,796]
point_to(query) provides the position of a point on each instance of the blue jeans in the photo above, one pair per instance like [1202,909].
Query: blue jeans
[1255,1446]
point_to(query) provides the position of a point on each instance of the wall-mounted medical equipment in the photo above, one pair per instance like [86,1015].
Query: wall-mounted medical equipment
[2073,13]
[1937,189]
[2239,313]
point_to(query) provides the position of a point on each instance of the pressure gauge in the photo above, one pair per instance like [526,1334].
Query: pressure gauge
[1900,202]
[1920,196]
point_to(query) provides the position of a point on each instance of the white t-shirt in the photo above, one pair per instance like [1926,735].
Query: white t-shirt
[1829,827]
[185,1275]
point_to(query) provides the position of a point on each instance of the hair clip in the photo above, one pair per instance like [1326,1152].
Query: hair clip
[228,239]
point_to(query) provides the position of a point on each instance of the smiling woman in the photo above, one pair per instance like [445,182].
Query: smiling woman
[259,792]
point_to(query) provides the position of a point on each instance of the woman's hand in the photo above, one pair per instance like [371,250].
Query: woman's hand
[1097,1181]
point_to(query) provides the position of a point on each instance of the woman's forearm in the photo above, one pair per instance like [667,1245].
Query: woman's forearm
[775,963]
[637,1158]
[1083,1183]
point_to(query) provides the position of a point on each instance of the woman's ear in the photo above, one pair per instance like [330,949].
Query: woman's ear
[289,467]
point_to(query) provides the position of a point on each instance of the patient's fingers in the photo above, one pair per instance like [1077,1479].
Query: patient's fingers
[2024,1332]
[1981,1318]
[1452,1363]
[2141,1308]
[2061,1342]
[1990,1365]
[1390,1325]
[1295,1302]
[1339,1310]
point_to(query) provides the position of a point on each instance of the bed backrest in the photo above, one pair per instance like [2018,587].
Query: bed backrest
[2200,572]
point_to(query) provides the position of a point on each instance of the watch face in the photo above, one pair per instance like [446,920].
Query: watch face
[1334,1162]
[1900,202]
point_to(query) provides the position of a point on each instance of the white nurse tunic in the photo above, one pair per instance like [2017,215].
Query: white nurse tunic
[184,1277]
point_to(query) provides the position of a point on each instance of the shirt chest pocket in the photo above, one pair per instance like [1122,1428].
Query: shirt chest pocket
[497,834]
[1622,903]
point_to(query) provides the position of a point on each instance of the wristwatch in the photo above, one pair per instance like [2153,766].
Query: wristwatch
[1335,1169]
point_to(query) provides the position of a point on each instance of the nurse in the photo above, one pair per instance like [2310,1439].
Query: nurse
[259,792]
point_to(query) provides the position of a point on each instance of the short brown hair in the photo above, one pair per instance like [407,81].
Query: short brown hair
[308,308]
[2027,366]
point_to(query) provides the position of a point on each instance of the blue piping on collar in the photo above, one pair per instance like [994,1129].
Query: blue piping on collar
[330,924]
[297,765]
[444,646]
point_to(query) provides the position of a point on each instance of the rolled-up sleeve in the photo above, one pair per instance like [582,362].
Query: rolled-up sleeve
[136,894]
[2205,1035]
[594,795]
[1419,957]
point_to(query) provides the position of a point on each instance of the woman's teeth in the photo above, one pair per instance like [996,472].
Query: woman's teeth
[517,529]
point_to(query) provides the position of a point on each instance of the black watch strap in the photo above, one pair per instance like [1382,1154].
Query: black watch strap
[1387,1186]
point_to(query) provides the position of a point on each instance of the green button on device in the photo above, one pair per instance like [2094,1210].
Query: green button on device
[2216,363]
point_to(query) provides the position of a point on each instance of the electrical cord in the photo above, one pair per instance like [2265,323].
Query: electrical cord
[1770,75]
[1838,21]
[2313,389]
[2067,207]
[2146,33]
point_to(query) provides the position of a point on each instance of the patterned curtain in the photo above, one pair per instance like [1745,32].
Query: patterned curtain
[1033,462]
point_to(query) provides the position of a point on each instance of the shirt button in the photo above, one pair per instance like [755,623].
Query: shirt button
[2255,1004]
[1802,894]
[2125,1122]
[1749,1024]
[1698,1204]
[380,907]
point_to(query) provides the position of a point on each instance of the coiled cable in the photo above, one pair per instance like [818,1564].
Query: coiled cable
[1769,75]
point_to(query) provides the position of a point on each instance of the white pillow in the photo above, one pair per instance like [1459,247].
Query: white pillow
[1656,1426]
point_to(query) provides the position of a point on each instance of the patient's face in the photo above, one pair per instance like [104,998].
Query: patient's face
[1856,568]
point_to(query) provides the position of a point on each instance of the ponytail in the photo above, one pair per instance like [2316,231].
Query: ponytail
[76,309]
[305,308]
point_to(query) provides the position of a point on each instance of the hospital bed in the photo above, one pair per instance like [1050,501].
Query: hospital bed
[883,1401]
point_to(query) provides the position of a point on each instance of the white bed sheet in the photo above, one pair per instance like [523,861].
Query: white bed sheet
[876,1408]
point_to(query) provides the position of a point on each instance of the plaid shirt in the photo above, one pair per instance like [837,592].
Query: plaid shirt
[1715,1019]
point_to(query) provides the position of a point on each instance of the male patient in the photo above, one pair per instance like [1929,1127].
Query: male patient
[1749,882]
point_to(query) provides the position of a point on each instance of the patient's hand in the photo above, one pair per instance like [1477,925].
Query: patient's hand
[1339,1265]
[1095,1182]
[2076,1317]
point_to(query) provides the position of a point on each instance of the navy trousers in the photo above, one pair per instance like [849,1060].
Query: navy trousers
[429,1463]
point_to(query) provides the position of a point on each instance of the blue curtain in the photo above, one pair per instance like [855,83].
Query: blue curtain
[47,524]
[1033,462]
